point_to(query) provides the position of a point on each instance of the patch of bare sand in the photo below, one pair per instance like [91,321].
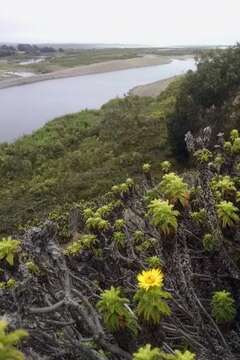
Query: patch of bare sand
[107,66]
[154,89]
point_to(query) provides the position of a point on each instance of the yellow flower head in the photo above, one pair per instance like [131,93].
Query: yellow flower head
[150,278]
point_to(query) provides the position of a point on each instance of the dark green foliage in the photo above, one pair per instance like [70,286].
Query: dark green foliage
[80,156]
[206,97]
[223,306]
[116,314]
[152,305]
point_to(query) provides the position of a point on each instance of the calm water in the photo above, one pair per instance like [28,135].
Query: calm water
[26,108]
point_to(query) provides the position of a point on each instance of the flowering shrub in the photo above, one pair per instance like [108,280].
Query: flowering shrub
[150,296]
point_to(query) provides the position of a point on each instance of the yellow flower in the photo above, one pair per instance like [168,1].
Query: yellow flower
[150,278]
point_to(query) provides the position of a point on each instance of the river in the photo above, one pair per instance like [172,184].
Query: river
[24,109]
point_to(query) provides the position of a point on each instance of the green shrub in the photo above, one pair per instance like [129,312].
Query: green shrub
[236,146]
[86,242]
[224,184]
[227,213]
[154,262]
[97,223]
[119,237]
[32,267]
[203,155]
[165,166]
[119,224]
[147,353]
[199,216]
[146,168]
[152,305]
[223,306]
[9,341]
[138,236]
[234,134]
[116,312]
[8,249]
[163,216]
[174,189]
[209,242]
[227,147]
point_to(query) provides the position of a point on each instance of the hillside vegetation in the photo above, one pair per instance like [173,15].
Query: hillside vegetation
[80,156]
[151,274]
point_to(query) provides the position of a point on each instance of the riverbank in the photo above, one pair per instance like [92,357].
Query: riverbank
[103,67]
[153,89]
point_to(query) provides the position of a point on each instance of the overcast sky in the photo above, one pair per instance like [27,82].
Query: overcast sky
[152,22]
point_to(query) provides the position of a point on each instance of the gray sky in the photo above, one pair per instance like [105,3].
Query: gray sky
[152,22]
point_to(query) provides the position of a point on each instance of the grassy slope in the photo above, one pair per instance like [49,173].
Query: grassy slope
[78,157]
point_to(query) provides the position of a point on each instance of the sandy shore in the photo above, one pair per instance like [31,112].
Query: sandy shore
[108,66]
[154,89]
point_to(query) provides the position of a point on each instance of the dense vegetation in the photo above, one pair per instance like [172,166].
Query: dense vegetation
[209,96]
[79,157]
[150,274]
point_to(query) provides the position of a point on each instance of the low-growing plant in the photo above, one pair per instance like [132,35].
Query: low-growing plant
[116,312]
[154,261]
[97,223]
[130,183]
[146,168]
[87,213]
[224,184]
[8,249]
[223,306]
[227,147]
[11,283]
[218,160]
[199,216]
[8,342]
[104,211]
[203,155]
[236,146]
[32,267]
[174,189]
[147,245]
[227,213]
[179,355]
[119,238]
[234,134]
[119,224]
[163,216]
[209,242]
[165,166]
[147,353]
[85,242]
[138,236]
